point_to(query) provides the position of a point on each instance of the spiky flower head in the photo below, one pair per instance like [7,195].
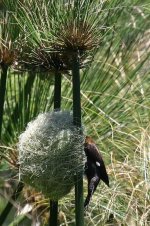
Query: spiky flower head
[9,33]
[59,30]
[51,154]
[7,56]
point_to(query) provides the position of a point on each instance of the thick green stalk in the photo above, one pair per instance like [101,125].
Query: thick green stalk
[79,208]
[20,185]
[53,213]
[57,92]
[23,97]
[57,105]
[2,93]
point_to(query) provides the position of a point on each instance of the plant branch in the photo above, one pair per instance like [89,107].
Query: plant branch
[2,93]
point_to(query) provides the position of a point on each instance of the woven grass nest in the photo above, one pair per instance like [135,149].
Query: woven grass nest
[51,153]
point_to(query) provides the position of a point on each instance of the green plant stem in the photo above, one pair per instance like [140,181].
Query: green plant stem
[2,93]
[9,205]
[79,208]
[57,105]
[23,97]
[57,92]
[15,115]
[53,213]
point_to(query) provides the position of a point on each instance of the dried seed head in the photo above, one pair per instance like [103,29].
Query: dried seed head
[78,37]
[7,56]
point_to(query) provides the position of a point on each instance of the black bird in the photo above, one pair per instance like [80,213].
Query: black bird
[94,168]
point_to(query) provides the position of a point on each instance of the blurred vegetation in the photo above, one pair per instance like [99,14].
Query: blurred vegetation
[115,97]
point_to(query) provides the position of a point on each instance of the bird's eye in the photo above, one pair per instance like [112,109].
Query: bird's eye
[98,163]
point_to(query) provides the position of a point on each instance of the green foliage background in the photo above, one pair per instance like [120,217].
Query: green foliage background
[115,101]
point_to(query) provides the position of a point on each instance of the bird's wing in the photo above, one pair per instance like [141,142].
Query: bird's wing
[93,155]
